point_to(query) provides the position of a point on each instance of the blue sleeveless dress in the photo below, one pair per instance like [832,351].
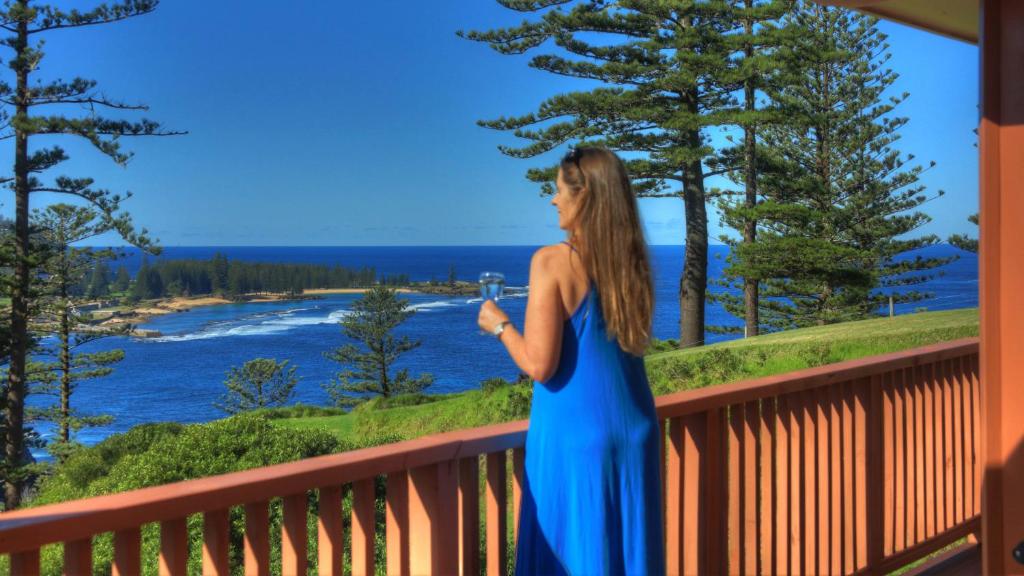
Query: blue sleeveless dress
[591,501]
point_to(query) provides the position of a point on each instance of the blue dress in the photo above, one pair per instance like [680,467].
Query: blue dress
[591,501]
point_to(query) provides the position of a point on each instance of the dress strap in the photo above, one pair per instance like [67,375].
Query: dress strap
[573,248]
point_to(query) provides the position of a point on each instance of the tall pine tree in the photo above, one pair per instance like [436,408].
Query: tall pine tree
[839,202]
[25,21]
[664,73]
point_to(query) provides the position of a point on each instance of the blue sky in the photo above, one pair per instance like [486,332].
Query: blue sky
[353,123]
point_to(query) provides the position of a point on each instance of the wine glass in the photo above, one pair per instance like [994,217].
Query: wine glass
[492,284]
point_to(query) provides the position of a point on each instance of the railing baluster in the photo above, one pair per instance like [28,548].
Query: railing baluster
[432,508]
[257,539]
[750,478]
[850,486]
[714,546]
[396,529]
[931,500]
[675,545]
[127,552]
[294,534]
[795,408]
[781,511]
[330,530]
[363,526]
[663,425]
[810,534]
[823,534]
[694,430]
[920,503]
[26,563]
[899,462]
[938,382]
[518,456]
[834,407]
[958,441]
[174,547]
[215,542]
[975,460]
[469,516]
[734,449]
[874,428]
[497,528]
[767,487]
[948,450]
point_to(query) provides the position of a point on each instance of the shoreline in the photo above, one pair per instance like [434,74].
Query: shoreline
[142,312]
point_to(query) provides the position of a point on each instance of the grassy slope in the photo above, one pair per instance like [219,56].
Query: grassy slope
[668,372]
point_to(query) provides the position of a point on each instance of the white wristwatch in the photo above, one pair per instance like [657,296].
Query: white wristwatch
[500,328]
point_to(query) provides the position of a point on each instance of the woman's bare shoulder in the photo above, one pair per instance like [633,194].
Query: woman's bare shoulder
[551,257]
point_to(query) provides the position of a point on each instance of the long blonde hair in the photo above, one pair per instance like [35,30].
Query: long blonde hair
[611,244]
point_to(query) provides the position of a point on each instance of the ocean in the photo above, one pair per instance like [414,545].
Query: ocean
[179,376]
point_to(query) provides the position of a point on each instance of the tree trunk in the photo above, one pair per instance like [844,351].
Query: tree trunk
[14,443]
[750,288]
[693,284]
[65,371]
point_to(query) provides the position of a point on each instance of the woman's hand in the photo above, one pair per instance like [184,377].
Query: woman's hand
[490,316]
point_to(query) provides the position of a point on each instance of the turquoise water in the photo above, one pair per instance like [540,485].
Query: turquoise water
[180,375]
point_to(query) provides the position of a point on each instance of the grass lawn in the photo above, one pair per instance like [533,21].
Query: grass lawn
[668,372]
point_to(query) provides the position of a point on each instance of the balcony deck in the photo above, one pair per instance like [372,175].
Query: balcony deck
[859,467]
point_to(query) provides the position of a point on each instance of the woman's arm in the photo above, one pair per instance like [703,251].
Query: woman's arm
[536,350]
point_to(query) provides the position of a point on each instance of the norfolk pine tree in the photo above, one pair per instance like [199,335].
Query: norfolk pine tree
[838,201]
[756,64]
[664,69]
[61,226]
[259,383]
[25,21]
[371,321]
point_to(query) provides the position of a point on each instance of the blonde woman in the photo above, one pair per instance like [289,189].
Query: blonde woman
[591,494]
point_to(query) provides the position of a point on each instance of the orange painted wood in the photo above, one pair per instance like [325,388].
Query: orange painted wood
[823,534]
[977,462]
[294,534]
[900,521]
[433,490]
[939,371]
[834,405]
[330,532]
[694,460]
[766,487]
[662,478]
[363,526]
[958,441]
[735,474]
[216,545]
[256,542]
[518,460]
[873,471]
[781,510]
[795,408]
[715,521]
[25,563]
[396,524]
[749,480]
[887,397]
[127,552]
[947,445]
[1001,281]
[919,505]
[850,489]
[809,533]
[497,525]
[674,506]
[33,527]
[78,557]
[931,498]
[173,547]
[469,516]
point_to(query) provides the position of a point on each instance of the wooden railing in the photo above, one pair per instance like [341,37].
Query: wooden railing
[856,467]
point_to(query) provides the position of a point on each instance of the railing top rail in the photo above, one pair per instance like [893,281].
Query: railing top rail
[712,397]
[30,528]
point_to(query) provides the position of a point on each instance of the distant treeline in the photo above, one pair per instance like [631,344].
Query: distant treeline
[221,276]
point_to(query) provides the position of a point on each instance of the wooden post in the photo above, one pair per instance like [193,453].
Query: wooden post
[1001,143]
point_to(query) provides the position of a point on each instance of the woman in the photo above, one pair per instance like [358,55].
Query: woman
[591,493]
